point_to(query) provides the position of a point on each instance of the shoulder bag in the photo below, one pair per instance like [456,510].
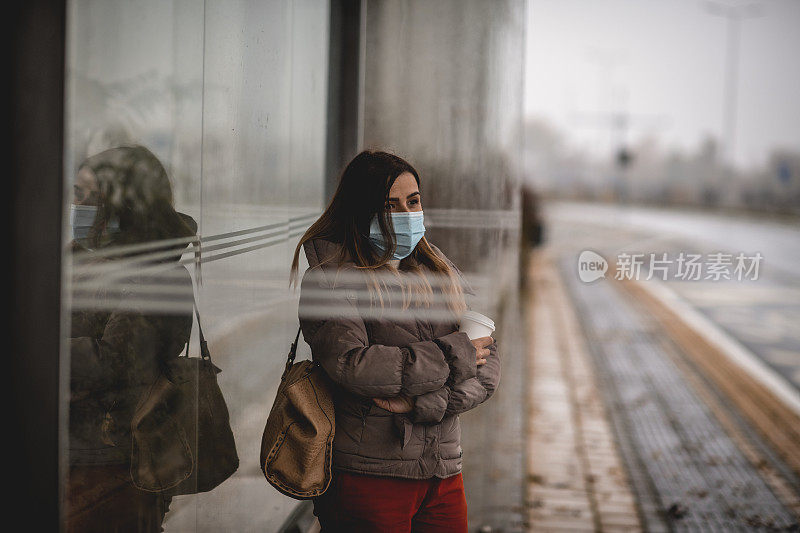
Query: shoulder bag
[181,432]
[297,446]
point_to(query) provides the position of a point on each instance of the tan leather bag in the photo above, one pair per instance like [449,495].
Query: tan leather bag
[297,446]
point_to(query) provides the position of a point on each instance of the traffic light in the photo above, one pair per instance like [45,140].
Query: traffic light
[624,157]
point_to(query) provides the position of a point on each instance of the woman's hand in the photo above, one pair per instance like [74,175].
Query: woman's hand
[398,404]
[481,350]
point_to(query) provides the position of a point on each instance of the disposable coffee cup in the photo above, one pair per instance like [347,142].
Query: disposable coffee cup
[476,325]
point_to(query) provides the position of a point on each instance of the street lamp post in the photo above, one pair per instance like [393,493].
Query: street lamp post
[734,14]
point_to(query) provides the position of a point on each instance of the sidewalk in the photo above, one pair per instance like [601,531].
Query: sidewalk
[576,480]
[626,433]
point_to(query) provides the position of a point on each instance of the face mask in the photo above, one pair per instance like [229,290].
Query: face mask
[81,220]
[408,230]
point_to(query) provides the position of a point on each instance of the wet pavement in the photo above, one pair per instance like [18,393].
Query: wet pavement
[576,478]
[685,416]
[692,471]
[760,314]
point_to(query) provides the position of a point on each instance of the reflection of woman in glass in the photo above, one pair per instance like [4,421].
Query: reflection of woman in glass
[379,307]
[119,335]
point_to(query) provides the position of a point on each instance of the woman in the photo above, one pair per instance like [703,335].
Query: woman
[379,307]
[122,200]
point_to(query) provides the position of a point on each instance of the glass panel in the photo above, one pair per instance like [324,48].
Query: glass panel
[194,157]
[444,88]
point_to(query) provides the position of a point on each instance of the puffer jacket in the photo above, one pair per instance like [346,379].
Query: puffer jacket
[116,352]
[370,351]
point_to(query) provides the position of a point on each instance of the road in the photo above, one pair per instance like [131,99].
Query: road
[761,314]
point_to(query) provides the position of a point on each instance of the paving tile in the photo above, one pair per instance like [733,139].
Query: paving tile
[574,469]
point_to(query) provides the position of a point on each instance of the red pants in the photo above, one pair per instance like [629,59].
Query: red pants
[361,503]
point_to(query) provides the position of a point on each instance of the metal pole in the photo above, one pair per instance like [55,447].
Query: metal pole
[734,16]
[732,86]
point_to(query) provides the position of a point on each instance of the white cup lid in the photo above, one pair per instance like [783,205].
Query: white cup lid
[479,318]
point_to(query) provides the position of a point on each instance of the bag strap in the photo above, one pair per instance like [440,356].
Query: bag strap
[204,352]
[292,351]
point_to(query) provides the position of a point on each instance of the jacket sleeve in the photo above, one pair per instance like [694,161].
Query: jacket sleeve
[109,361]
[339,342]
[460,397]
[110,356]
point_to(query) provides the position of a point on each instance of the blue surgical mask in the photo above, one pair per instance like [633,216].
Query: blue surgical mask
[409,228]
[81,220]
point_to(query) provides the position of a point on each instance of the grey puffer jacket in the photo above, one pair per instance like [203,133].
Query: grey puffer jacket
[371,351]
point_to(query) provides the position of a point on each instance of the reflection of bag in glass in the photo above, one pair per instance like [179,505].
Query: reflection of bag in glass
[297,445]
[182,438]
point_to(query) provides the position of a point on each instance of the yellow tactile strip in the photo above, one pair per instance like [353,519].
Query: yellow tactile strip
[763,410]
[576,480]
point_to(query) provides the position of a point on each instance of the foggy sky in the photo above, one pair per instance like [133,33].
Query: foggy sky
[663,61]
